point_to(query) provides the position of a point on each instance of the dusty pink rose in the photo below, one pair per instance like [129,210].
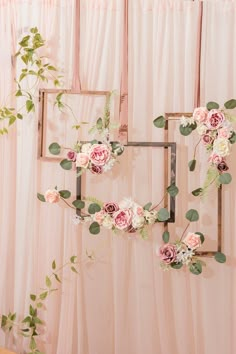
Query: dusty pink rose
[123,219]
[82,160]
[52,196]
[224,133]
[192,240]
[207,139]
[200,114]
[96,170]
[139,210]
[215,159]
[110,208]
[222,166]
[168,253]
[71,155]
[215,119]
[99,217]
[99,154]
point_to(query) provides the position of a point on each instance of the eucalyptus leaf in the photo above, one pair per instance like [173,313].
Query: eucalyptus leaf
[41,197]
[79,204]
[147,206]
[185,130]
[195,268]
[176,265]
[163,215]
[192,165]
[159,122]
[197,192]
[172,190]
[29,106]
[232,139]
[166,236]
[94,228]
[201,236]
[220,257]
[66,164]
[212,105]
[54,148]
[48,282]
[231,104]
[65,194]
[94,208]
[192,215]
[225,178]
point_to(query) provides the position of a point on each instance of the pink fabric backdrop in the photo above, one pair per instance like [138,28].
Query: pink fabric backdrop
[122,302]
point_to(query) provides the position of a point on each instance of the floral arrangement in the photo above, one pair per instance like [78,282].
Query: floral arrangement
[215,127]
[182,252]
[127,216]
[97,156]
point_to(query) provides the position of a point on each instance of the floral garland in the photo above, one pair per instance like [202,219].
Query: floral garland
[215,127]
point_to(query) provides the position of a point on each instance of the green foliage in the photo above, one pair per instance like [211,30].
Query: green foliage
[65,194]
[41,197]
[66,164]
[201,236]
[166,236]
[94,228]
[188,129]
[54,148]
[159,122]
[212,105]
[147,206]
[172,190]
[231,104]
[232,139]
[195,267]
[78,204]
[163,215]
[192,165]
[225,178]
[192,215]
[220,257]
[176,265]
[197,192]
[94,208]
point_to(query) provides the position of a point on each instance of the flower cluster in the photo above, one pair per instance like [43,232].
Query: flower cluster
[180,253]
[97,157]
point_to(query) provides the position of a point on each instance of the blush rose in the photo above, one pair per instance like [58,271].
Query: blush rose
[82,160]
[52,196]
[168,253]
[200,114]
[192,240]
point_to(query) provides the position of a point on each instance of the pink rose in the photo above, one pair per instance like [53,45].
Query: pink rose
[207,139]
[215,159]
[110,208]
[139,210]
[52,196]
[200,114]
[123,219]
[96,170]
[71,155]
[99,154]
[192,240]
[99,217]
[224,133]
[82,160]
[215,119]
[168,253]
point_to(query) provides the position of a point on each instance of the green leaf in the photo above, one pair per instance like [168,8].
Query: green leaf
[185,130]
[232,139]
[212,105]
[220,257]
[99,124]
[172,190]
[73,259]
[57,277]
[33,344]
[65,194]
[41,197]
[66,164]
[94,208]
[54,264]
[39,305]
[12,120]
[166,236]
[48,282]
[34,30]
[195,268]
[74,269]
[18,93]
[50,67]
[225,178]
[38,321]
[19,116]
[24,41]
[32,297]
[201,236]
[231,104]
[94,228]
[26,319]
[32,311]
[43,295]
[197,192]
[192,215]
[23,75]
[163,215]
[147,206]
[177,265]
[159,122]
[29,106]
[54,148]
[4,321]
[192,165]
[79,204]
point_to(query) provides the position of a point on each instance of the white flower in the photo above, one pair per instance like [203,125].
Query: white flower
[109,165]
[201,129]
[107,222]
[86,148]
[185,121]
[150,216]
[126,203]
[138,221]
[184,255]
[221,147]
[76,219]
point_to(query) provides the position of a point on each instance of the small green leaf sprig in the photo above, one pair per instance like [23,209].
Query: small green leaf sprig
[215,127]
[29,327]
[126,216]
[34,65]
[183,251]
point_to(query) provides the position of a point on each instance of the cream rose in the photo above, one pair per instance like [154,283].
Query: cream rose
[99,154]
[138,221]
[82,160]
[221,147]
[201,129]
[99,217]
[192,240]
[108,222]
[86,148]
[52,196]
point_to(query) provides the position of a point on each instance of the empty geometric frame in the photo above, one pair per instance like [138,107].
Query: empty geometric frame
[210,218]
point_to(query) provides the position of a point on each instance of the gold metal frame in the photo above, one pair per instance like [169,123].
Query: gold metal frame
[177,116]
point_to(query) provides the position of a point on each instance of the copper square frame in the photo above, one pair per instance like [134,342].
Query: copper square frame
[42,122]
[177,116]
